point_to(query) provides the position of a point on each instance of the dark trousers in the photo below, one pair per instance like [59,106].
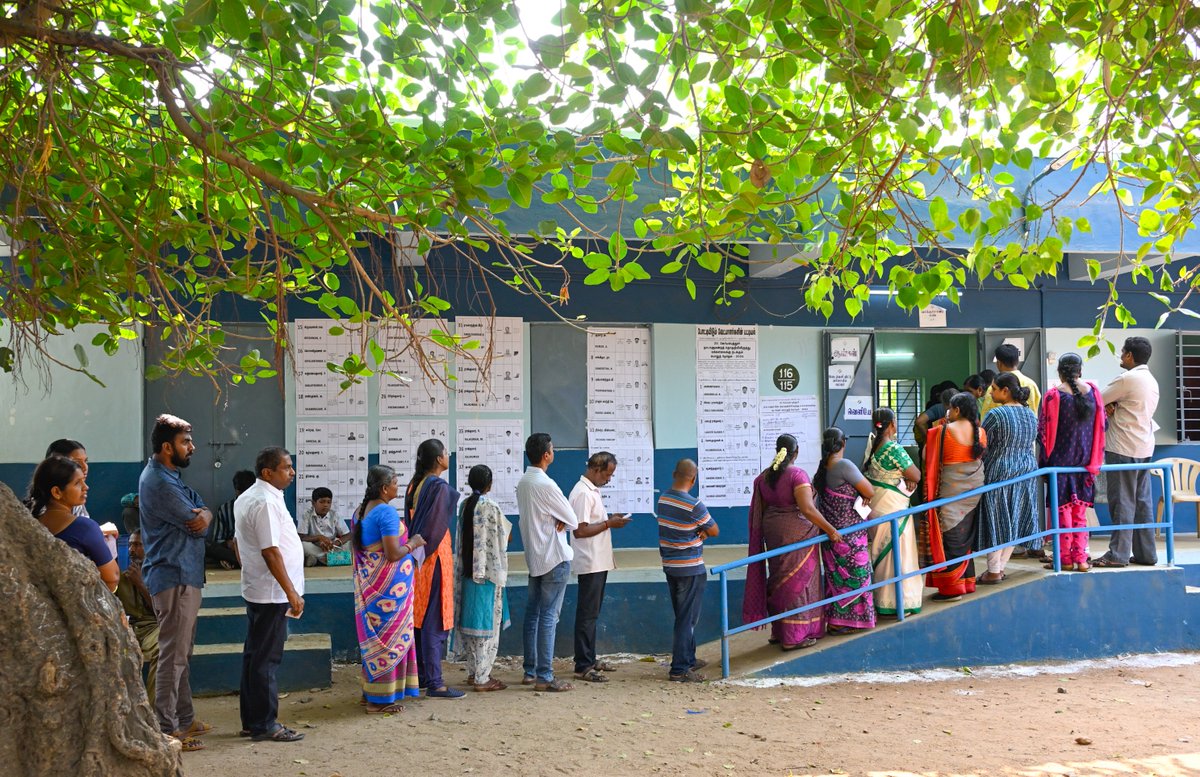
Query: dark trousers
[587,612]
[430,638]
[431,647]
[266,631]
[687,594]
[1130,500]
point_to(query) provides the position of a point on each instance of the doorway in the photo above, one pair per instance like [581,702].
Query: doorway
[229,427]
[909,364]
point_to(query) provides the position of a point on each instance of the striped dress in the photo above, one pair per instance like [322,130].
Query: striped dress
[1009,512]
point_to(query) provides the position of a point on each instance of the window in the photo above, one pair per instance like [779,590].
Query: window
[1187,383]
[904,397]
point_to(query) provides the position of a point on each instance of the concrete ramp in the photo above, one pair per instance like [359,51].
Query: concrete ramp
[1033,616]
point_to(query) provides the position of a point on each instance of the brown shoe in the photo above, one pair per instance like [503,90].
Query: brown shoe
[491,685]
[197,729]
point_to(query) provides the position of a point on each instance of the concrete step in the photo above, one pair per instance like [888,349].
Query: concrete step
[216,625]
[307,663]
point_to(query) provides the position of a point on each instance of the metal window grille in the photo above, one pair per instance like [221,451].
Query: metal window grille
[904,397]
[1188,386]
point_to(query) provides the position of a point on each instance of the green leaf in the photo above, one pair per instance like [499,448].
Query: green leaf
[691,287]
[596,277]
[736,100]
[1149,221]
[520,189]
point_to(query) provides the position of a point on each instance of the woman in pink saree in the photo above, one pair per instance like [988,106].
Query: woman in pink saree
[782,512]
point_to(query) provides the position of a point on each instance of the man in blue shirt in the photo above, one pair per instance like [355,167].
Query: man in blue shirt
[683,525]
[174,522]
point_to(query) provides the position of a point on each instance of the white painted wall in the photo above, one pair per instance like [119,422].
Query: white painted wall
[106,419]
[1104,367]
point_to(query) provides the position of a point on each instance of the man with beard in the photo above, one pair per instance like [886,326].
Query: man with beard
[174,522]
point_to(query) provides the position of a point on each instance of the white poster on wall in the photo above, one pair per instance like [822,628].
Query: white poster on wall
[412,381]
[500,444]
[631,489]
[618,373]
[794,415]
[398,441]
[318,390]
[490,376]
[727,416]
[332,454]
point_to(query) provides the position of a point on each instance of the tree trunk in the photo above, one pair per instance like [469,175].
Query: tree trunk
[73,701]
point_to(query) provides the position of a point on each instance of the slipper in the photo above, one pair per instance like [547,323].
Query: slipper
[391,709]
[445,693]
[801,645]
[197,729]
[984,580]
[1107,563]
[554,686]
[939,597]
[190,744]
[1082,567]
[604,666]
[491,685]
[528,680]
[591,676]
[686,677]
[699,663]
[838,631]
[246,732]
[227,565]
[280,733]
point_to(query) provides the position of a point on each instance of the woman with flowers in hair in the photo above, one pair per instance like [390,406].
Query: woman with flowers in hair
[782,513]
[894,475]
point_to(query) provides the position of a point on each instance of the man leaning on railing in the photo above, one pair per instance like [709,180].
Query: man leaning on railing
[1130,402]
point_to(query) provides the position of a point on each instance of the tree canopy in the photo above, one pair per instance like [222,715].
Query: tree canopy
[157,155]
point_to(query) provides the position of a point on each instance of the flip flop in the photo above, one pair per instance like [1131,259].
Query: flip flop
[1107,563]
[190,744]
[391,709]
[197,729]
[280,733]
[591,676]
[554,686]
[605,666]
[528,680]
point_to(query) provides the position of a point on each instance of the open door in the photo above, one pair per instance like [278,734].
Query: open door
[1031,344]
[849,361]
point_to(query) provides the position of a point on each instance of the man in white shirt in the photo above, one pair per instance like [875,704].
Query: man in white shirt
[592,544]
[273,587]
[544,518]
[1130,401]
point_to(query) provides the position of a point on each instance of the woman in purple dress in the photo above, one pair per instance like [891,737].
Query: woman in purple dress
[838,484]
[782,512]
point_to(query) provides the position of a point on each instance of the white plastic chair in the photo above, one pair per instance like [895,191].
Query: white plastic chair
[1185,474]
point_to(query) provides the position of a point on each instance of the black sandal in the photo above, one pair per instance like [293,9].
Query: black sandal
[280,733]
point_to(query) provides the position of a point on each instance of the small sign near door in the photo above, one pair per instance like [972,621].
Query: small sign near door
[932,316]
[841,376]
[858,409]
[844,349]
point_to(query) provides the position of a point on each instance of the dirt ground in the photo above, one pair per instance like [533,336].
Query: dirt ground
[1111,721]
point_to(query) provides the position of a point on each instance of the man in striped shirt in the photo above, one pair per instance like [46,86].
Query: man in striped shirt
[683,525]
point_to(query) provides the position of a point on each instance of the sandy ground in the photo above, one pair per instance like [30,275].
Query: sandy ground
[1115,720]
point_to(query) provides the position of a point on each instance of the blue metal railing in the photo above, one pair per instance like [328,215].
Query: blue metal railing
[893,519]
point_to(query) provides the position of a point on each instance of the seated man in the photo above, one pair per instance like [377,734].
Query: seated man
[220,545]
[139,608]
[321,530]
